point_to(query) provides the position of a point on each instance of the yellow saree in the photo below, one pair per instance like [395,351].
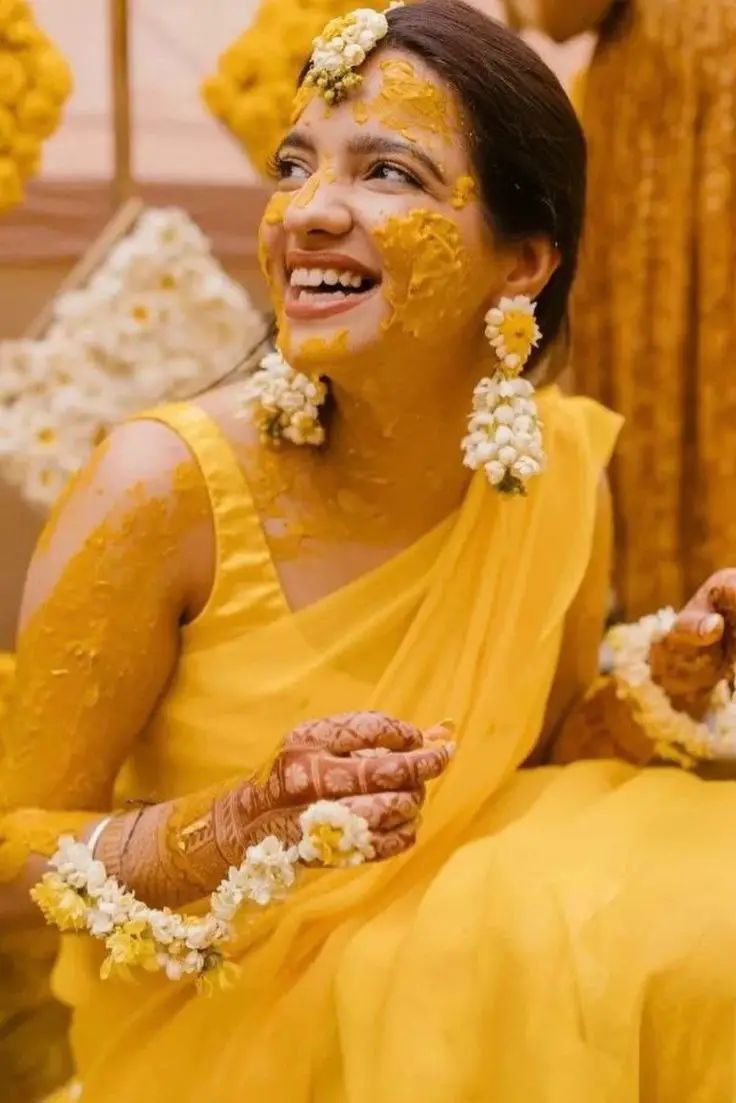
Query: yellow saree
[555,935]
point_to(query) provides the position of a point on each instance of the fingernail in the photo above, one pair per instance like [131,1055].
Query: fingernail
[710,624]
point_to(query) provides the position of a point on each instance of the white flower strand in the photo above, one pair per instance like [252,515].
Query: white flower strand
[158,320]
[677,736]
[504,431]
[77,895]
[288,402]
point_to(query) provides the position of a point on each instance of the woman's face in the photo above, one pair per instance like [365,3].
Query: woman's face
[375,240]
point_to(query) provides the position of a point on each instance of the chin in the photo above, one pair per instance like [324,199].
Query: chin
[321,347]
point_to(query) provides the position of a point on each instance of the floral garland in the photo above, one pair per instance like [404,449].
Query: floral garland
[678,737]
[252,92]
[158,320]
[35,82]
[78,896]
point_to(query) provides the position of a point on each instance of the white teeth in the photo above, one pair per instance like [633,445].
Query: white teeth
[330,277]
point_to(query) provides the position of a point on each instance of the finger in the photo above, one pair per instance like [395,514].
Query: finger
[349,732]
[386,811]
[306,776]
[723,596]
[389,844]
[697,627]
[404,771]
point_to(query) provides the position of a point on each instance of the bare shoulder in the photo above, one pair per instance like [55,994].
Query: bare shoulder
[142,489]
[139,461]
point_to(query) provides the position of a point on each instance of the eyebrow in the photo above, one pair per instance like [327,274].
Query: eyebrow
[366,144]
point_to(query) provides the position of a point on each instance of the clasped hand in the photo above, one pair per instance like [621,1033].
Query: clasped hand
[374,765]
[700,649]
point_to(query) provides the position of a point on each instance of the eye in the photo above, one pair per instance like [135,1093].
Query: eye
[287,168]
[393,174]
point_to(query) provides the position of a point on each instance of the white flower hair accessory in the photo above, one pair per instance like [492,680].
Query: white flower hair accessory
[287,402]
[504,437]
[342,48]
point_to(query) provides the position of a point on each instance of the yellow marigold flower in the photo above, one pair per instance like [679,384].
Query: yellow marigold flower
[7,130]
[11,185]
[35,80]
[10,10]
[264,78]
[12,78]
[240,61]
[251,115]
[22,34]
[219,94]
[38,113]
[52,74]
[60,904]
[25,148]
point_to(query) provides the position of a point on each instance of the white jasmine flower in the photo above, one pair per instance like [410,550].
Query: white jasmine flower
[287,402]
[158,320]
[332,835]
[496,472]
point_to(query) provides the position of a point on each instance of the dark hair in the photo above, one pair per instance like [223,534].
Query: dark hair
[525,140]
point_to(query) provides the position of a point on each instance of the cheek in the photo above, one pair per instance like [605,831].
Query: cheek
[270,232]
[435,276]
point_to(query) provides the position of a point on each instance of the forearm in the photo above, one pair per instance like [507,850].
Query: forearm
[169,854]
[173,853]
[603,724]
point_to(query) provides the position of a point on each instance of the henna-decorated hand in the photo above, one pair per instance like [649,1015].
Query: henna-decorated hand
[700,649]
[377,766]
[178,851]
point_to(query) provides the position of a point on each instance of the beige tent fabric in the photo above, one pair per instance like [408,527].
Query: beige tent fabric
[172,47]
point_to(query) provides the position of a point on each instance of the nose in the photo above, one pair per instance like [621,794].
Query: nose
[318,208]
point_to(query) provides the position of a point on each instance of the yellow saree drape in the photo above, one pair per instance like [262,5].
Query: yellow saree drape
[544,941]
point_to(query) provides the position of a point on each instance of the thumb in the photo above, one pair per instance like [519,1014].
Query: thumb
[697,628]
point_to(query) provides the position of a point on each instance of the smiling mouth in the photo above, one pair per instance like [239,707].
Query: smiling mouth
[322,292]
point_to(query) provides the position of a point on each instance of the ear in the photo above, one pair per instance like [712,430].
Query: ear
[531,265]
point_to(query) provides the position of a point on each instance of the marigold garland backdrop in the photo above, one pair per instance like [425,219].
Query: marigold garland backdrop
[35,82]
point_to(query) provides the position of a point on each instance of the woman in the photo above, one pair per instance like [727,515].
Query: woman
[225,591]
[654,314]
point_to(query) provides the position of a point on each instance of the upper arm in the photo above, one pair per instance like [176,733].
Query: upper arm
[108,586]
[578,664]
[563,19]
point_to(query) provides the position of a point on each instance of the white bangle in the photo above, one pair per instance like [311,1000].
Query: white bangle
[97,834]
[676,735]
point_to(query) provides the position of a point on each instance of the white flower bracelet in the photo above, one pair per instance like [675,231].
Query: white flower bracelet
[79,896]
[677,736]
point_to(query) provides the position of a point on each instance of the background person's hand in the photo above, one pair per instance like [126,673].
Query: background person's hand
[700,649]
